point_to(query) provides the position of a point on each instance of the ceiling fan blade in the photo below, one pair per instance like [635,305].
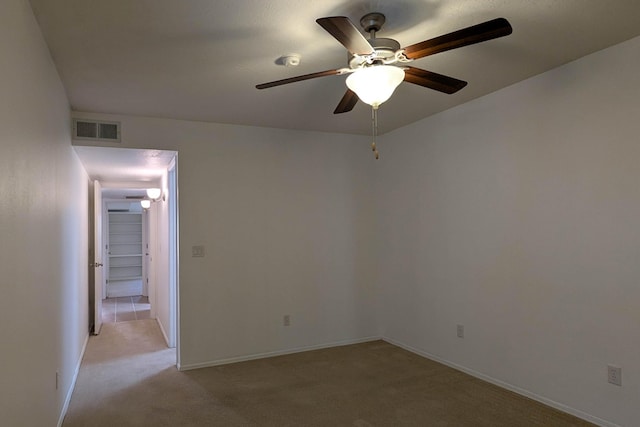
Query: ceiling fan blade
[433,80]
[347,34]
[298,78]
[489,30]
[346,104]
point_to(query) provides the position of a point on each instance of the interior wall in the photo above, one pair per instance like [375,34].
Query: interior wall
[285,221]
[43,224]
[160,210]
[517,215]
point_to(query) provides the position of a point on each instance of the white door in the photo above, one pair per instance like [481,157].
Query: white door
[98,269]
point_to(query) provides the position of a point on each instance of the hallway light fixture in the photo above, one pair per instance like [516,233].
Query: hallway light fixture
[154,193]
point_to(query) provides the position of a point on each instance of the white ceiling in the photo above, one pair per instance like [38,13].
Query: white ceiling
[201,59]
[125,172]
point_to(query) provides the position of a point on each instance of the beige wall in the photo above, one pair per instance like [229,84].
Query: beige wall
[161,255]
[518,216]
[285,219]
[43,229]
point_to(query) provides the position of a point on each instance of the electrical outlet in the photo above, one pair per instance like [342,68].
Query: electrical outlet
[460,331]
[197,251]
[286,320]
[614,375]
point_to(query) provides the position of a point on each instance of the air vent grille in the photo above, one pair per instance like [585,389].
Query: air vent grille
[108,131]
[97,130]
[86,130]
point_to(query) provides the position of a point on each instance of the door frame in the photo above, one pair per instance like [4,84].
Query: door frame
[112,178]
[98,258]
[174,306]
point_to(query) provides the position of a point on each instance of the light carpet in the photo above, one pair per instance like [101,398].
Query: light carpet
[128,378]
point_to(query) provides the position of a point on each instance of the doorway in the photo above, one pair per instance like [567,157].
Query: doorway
[143,263]
[126,242]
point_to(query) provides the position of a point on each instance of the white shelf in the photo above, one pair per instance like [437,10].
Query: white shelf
[125,226]
[115,279]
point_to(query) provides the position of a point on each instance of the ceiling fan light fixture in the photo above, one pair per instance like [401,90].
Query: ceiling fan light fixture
[374,85]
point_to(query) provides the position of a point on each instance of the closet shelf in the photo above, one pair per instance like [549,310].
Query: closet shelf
[114,279]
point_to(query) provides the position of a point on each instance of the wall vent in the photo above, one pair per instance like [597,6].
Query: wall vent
[96,130]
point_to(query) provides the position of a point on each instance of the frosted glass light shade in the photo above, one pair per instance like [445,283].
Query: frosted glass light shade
[374,85]
[153,193]
[146,204]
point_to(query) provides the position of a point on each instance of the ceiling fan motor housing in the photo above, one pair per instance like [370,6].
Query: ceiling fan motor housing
[372,21]
[385,52]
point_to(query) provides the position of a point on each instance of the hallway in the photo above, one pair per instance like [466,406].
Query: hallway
[116,365]
[124,309]
[128,377]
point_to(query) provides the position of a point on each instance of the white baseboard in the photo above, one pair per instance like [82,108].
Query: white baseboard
[164,333]
[510,387]
[67,399]
[274,353]
[564,408]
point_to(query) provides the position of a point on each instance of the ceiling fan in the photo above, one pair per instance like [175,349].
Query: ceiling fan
[380,65]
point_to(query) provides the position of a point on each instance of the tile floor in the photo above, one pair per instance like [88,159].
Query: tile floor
[123,309]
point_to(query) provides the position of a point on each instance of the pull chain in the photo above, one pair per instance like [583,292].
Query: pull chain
[374,131]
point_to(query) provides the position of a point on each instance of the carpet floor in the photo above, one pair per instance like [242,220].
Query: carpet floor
[128,378]
[124,309]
